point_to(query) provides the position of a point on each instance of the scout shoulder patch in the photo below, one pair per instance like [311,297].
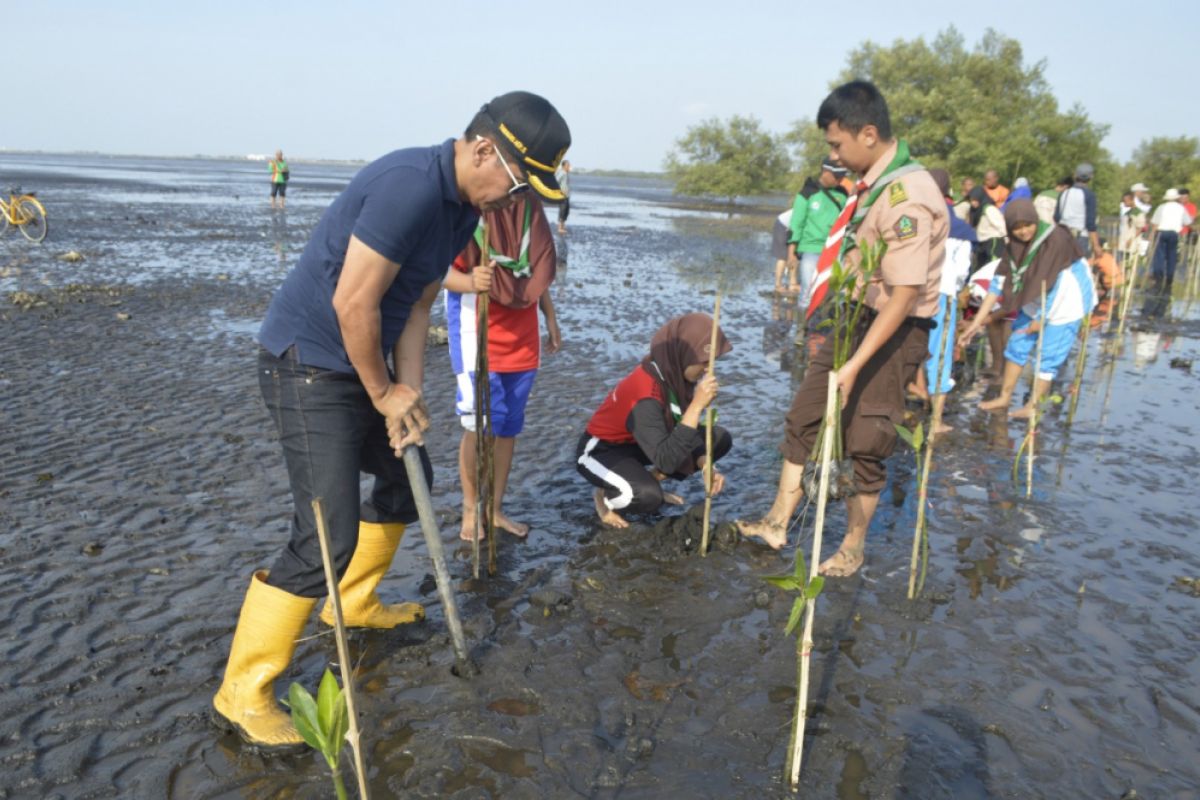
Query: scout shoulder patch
[905,228]
[896,193]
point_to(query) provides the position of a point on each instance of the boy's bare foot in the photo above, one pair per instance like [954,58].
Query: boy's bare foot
[502,521]
[844,563]
[672,499]
[1024,412]
[995,404]
[773,534]
[606,514]
[467,532]
[942,428]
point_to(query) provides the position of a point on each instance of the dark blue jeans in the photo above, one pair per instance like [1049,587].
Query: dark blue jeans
[1165,256]
[330,434]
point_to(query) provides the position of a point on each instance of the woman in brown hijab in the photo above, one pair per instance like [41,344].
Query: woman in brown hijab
[1039,255]
[652,419]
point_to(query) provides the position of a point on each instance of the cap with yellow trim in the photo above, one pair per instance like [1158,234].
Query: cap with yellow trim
[535,133]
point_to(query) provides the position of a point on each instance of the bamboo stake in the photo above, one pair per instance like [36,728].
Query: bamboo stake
[353,735]
[1037,365]
[708,430]
[483,396]
[806,645]
[1129,285]
[934,422]
[1080,364]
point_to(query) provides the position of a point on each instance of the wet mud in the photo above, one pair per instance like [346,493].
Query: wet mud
[1053,654]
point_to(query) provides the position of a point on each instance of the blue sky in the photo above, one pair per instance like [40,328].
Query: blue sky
[357,79]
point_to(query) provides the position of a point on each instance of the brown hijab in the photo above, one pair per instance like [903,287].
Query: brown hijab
[681,343]
[505,228]
[1057,252]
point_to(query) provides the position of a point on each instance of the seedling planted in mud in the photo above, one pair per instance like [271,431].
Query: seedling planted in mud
[915,439]
[1043,405]
[323,722]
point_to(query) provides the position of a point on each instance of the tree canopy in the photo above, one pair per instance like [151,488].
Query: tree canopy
[1164,162]
[728,159]
[969,111]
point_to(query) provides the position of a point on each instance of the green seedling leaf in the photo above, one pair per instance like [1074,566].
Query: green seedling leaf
[327,696]
[794,617]
[339,725]
[304,716]
[918,437]
[785,582]
[814,587]
[905,434]
[826,323]
[800,570]
[1056,399]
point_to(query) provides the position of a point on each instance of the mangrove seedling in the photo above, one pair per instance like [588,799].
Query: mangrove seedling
[323,722]
[1043,405]
[915,439]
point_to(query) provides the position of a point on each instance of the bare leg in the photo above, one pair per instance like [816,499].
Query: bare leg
[920,386]
[793,277]
[606,514]
[939,405]
[772,528]
[1011,373]
[505,445]
[466,475]
[780,265]
[1040,387]
[849,556]
[996,341]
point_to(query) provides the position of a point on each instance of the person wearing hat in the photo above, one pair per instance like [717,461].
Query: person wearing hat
[1077,210]
[1169,219]
[1141,196]
[1130,223]
[361,291]
[814,211]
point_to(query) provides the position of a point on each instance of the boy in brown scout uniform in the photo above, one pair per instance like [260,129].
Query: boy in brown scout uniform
[897,203]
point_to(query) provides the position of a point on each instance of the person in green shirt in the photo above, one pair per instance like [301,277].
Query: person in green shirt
[279,179]
[814,211]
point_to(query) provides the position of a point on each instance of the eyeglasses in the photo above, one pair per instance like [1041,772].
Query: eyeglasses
[518,187]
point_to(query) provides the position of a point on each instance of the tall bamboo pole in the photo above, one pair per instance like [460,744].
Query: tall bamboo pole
[1036,400]
[708,429]
[353,735]
[934,423]
[483,450]
[810,607]
[1080,364]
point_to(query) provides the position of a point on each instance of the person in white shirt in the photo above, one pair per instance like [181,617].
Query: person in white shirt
[1141,197]
[1168,220]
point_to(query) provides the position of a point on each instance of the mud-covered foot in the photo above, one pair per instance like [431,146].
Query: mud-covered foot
[773,534]
[504,523]
[942,428]
[606,514]
[1024,412]
[844,563]
[995,404]
[672,499]
[467,532]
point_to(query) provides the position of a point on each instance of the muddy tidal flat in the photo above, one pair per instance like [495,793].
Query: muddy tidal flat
[1055,651]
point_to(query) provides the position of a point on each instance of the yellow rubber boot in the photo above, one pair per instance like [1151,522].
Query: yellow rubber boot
[270,622]
[361,606]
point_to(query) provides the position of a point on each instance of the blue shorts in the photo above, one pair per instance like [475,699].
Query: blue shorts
[1056,345]
[510,394]
[938,340]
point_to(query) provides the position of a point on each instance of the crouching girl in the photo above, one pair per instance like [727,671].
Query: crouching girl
[1038,254]
[648,428]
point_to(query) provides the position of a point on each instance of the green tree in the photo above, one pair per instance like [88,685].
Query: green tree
[728,159]
[973,110]
[1164,162]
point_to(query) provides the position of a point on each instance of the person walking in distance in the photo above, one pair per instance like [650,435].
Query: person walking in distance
[279,179]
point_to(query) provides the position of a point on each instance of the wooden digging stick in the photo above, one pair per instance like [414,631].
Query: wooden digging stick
[708,429]
[353,735]
[1035,399]
[810,606]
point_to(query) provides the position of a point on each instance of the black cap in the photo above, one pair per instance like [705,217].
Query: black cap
[534,132]
[829,165]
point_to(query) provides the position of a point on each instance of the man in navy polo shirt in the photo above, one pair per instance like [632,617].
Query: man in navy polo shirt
[361,290]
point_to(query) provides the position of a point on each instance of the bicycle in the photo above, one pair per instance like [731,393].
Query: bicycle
[23,211]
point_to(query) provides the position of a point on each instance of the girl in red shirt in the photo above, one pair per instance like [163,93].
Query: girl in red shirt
[652,420]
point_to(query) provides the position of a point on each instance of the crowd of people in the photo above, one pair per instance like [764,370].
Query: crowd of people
[342,356]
